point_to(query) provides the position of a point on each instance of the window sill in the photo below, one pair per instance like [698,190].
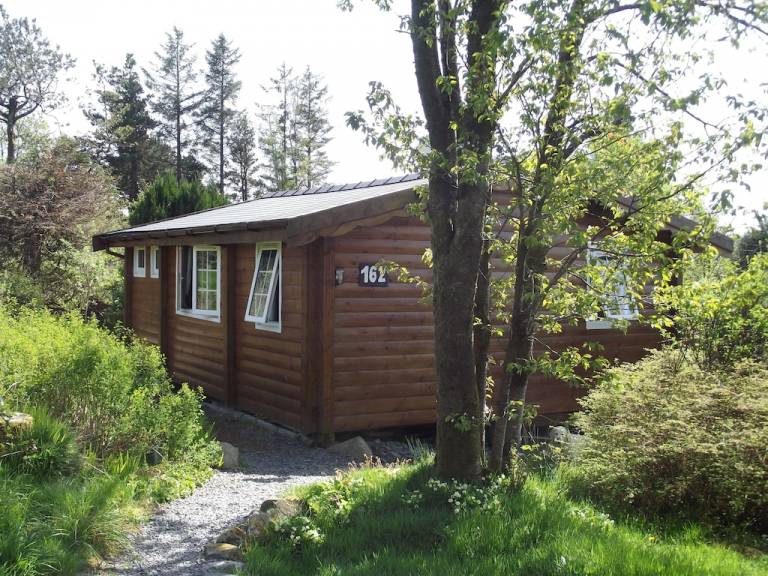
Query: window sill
[207,317]
[270,327]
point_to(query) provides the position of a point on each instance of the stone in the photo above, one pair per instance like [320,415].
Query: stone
[355,449]
[230,455]
[19,421]
[559,434]
[281,508]
[257,524]
[235,535]
[223,551]
[223,567]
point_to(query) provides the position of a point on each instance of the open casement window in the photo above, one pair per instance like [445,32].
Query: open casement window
[154,262]
[198,281]
[618,304]
[140,261]
[264,301]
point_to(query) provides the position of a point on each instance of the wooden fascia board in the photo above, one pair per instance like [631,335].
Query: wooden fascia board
[182,238]
[305,229]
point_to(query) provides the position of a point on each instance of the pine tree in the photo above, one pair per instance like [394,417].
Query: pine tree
[277,134]
[29,72]
[221,93]
[122,128]
[241,143]
[312,128]
[295,132]
[175,97]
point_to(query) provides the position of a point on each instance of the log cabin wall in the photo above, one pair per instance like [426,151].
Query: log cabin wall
[195,347]
[268,365]
[383,363]
[145,306]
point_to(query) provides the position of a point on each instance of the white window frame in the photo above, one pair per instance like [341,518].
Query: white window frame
[626,312]
[139,271]
[259,321]
[154,261]
[194,312]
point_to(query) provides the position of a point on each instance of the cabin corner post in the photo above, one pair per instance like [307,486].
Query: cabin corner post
[229,318]
[128,287]
[166,277]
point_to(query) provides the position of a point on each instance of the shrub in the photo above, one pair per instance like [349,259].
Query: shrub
[115,394]
[47,449]
[720,316]
[665,434]
[166,197]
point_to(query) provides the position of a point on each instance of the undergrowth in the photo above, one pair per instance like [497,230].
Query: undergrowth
[400,520]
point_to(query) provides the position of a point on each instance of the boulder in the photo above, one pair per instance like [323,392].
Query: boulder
[281,508]
[231,456]
[235,535]
[16,421]
[223,551]
[355,449]
[257,524]
[559,434]
[570,442]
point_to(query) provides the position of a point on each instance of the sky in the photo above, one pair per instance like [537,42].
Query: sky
[348,49]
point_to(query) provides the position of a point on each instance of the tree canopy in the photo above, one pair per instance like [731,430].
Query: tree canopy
[550,129]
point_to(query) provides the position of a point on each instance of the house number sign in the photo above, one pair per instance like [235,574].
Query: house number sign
[371,275]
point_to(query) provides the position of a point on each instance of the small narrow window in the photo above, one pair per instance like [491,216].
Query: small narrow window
[140,261]
[264,301]
[154,262]
[198,287]
[618,303]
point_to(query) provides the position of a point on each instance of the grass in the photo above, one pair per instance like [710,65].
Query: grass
[361,524]
[54,526]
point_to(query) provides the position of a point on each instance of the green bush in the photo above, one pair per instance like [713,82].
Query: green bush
[719,315]
[115,394]
[45,450]
[666,435]
[165,197]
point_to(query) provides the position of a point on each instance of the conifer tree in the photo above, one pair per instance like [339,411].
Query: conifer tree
[221,92]
[122,125]
[313,129]
[276,136]
[241,143]
[175,97]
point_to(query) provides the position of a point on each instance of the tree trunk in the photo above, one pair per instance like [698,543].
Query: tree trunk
[459,407]
[10,131]
[482,330]
[221,144]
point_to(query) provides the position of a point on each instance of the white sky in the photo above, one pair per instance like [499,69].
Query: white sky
[347,49]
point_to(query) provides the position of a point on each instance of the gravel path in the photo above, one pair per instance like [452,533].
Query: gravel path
[170,544]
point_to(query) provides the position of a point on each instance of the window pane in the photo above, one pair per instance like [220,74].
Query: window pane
[140,257]
[185,278]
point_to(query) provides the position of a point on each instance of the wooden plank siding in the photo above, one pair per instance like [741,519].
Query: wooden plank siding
[145,307]
[269,366]
[383,365]
[196,350]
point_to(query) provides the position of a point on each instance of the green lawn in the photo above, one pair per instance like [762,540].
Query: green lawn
[365,526]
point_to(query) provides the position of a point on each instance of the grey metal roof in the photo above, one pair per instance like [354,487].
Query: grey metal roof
[277,207]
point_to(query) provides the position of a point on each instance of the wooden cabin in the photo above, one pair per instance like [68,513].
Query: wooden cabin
[277,307]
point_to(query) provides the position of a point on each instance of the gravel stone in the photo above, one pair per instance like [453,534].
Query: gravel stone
[172,542]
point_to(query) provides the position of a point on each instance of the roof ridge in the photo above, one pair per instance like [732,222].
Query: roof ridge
[326,188]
